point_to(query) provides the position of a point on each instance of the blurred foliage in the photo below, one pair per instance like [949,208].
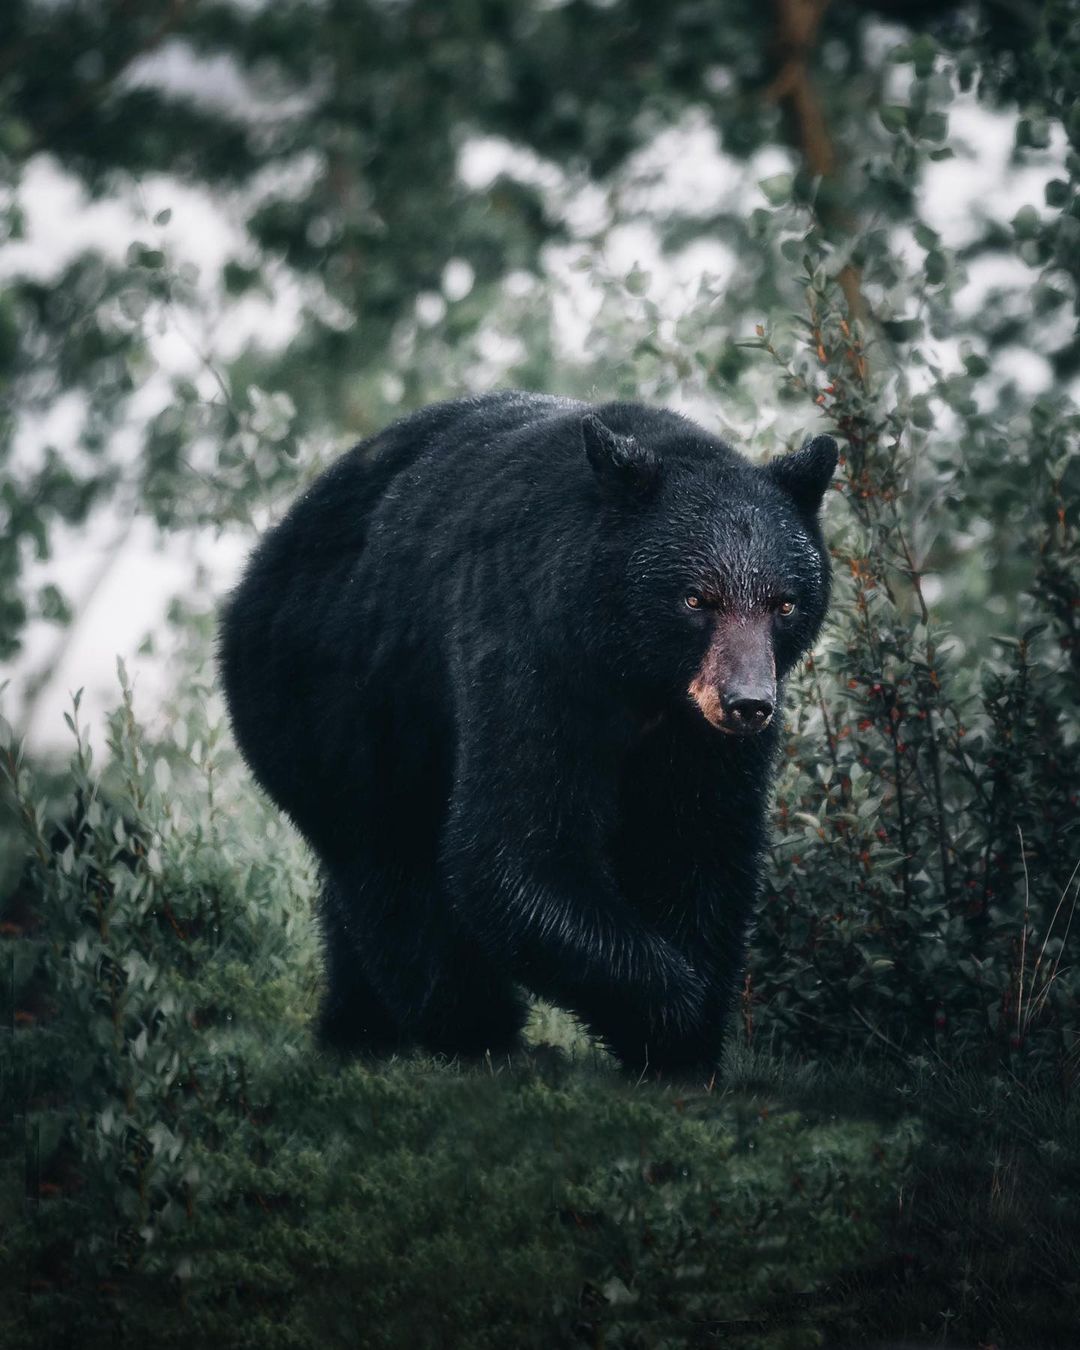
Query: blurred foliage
[892,1151]
[334,138]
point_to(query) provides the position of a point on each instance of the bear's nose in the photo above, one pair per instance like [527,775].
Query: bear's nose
[747,712]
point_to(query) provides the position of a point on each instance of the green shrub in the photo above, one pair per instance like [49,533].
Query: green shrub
[928,833]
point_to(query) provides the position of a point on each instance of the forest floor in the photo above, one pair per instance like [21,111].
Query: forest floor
[549,1200]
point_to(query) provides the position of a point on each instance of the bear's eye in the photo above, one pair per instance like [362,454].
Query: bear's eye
[692,600]
[785,607]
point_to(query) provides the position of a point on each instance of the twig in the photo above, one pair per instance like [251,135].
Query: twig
[1053,921]
[878,1033]
[901,808]
[1023,935]
[1044,994]
[915,577]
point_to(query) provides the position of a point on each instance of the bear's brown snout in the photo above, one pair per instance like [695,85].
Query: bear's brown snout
[735,685]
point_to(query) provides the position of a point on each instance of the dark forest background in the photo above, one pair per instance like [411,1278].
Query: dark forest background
[762,213]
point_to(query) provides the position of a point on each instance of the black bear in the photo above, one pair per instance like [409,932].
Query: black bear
[514,668]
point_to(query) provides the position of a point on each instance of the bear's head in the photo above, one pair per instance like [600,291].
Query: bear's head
[716,570]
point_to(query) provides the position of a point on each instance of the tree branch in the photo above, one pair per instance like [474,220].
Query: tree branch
[798,25]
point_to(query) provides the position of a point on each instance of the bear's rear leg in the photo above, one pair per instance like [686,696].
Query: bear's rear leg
[353,1018]
[469,1007]
[439,988]
[401,974]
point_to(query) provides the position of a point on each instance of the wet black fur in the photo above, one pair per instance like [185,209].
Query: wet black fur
[460,665]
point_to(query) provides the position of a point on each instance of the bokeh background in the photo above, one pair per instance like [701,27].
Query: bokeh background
[238,236]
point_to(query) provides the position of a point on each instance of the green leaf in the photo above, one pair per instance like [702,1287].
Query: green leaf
[903,330]
[53,605]
[894,117]
[637,280]
[1026,222]
[1033,132]
[777,189]
[936,267]
[933,126]
[923,54]
[1056,192]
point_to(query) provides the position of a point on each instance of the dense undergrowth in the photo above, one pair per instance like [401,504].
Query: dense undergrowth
[928,828]
[178,1165]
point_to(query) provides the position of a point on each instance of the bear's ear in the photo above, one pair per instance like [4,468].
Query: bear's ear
[805,474]
[619,462]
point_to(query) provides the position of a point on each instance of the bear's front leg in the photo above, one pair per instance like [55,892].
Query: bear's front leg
[689,851]
[524,861]
[716,952]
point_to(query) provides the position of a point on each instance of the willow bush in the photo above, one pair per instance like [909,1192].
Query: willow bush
[928,834]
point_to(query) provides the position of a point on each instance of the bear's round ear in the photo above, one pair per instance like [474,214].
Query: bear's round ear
[805,473]
[619,462]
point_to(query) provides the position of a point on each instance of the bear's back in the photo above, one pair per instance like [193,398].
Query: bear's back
[297,612]
[332,516]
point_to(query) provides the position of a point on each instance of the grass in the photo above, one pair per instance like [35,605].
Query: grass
[548,1200]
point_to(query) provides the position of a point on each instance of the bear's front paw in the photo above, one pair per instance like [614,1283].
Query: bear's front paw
[696,1058]
[671,1026]
[695,1052]
[679,999]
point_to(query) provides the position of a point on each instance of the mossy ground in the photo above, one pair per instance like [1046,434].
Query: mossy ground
[548,1200]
